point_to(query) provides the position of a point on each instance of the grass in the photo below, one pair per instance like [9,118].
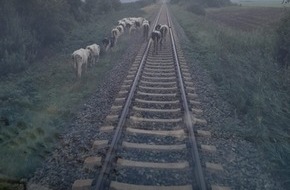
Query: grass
[9,186]
[246,74]
[40,101]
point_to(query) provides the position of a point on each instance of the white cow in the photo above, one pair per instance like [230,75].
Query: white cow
[139,21]
[115,33]
[132,29]
[80,57]
[121,29]
[164,29]
[156,38]
[145,27]
[122,23]
[94,53]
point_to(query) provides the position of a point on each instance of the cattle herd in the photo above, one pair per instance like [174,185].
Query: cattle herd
[90,55]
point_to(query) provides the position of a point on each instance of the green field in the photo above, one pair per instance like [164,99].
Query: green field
[263,3]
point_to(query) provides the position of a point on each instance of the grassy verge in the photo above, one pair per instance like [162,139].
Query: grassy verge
[36,104]
[246,75]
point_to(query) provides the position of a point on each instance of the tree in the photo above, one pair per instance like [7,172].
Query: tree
[17,43]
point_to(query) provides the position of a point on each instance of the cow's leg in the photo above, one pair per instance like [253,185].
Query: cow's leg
[79,70]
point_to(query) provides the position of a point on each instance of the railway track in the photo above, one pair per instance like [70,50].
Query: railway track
[152,143]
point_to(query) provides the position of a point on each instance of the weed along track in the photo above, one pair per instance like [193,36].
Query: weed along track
[149,136]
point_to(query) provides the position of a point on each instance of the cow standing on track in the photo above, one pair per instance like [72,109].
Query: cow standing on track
[164,29]
[146,28]
[156,38]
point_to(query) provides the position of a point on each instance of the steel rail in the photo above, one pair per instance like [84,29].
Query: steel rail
[106,166]
[197,169]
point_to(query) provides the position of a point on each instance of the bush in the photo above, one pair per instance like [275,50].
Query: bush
[17,43]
